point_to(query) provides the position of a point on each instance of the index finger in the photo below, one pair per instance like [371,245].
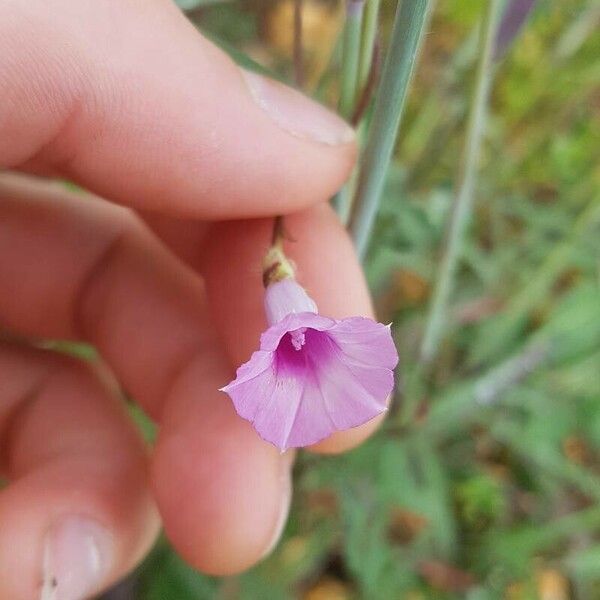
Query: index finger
[129,100]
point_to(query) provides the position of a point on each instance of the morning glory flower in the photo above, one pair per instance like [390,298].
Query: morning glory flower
[312,375]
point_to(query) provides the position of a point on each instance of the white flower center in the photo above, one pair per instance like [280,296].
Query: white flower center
[298,338]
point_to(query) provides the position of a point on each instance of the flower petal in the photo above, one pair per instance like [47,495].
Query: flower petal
[253,385]
[270,401]
[366,341]
[277,414]
[270,339]
[259,362]
[351,393]
[313,422]
[268,396]
[338,378]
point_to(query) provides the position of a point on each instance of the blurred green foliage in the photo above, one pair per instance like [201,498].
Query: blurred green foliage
[494,492]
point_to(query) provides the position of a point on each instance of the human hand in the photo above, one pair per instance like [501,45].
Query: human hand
[125,98]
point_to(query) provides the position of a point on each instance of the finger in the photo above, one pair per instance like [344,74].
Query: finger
[327,267]
[77,514]
[83,268]
[128,99]
[184,237]
[223,492]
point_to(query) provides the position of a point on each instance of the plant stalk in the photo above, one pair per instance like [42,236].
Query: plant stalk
[367,46]
[351,56]
[351,48]
[461,209]
[298,45]
[409,23]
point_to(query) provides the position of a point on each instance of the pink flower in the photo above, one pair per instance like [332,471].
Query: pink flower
[312,375]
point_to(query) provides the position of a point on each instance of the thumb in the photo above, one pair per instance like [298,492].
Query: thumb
[127,99]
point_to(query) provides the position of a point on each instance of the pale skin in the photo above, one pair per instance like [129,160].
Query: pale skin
[158,266]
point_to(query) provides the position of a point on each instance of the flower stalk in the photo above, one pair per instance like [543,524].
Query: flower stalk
[409,24]
[276,265]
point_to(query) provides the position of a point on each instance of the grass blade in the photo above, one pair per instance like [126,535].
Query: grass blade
[351,56]
[461,208]
[409,23]
[367,47]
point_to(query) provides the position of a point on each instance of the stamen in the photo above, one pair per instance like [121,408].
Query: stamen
[298,338]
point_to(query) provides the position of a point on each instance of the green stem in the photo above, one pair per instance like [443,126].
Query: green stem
[351,56]
[351,48]
[342,201]
[370,26]
[406,36]
[508,374]
[461,208]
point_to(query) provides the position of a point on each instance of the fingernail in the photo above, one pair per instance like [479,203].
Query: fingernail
[285,474]
[76,559]
[296,113]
